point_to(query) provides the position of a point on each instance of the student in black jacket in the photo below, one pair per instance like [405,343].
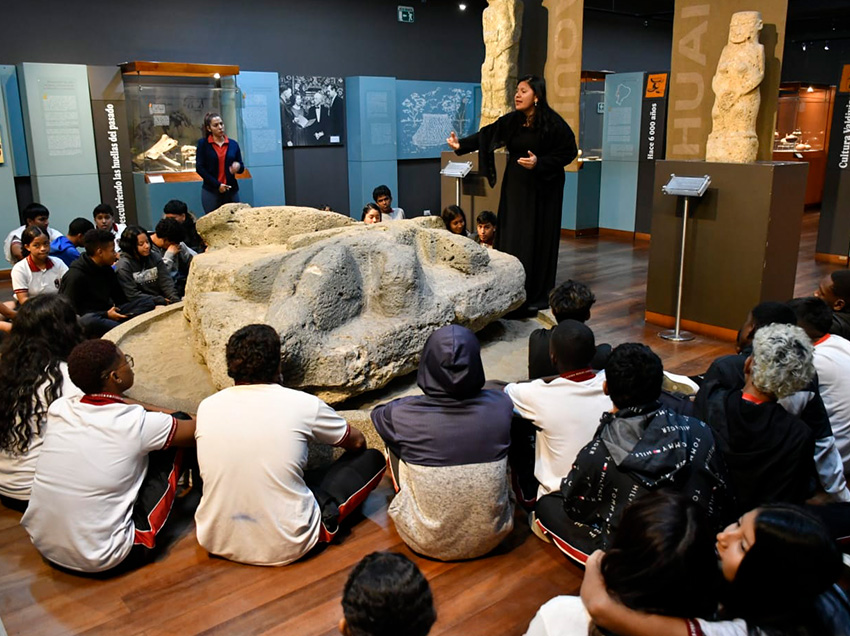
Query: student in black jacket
[92,287]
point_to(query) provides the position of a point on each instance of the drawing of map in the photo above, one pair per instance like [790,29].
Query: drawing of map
[429,111]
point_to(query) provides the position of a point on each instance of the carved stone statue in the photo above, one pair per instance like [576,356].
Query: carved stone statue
[740,70]
[502,22]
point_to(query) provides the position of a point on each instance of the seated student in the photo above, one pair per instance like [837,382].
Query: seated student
[167,242]
[448,453]
[661,561]
[65,248]
[34,214]
[106,477]
[832,364]
[568,301]
[179,211]
[769,452]
[371,214]
[485,228]
[384,200]
[258,505]
[386,594]
[639,447]
[779,566]
[92,287]
[564,410]
[834,290]
[455,220]
[38,273]
[728,373]
[104,219]
[141,272]
[33,375]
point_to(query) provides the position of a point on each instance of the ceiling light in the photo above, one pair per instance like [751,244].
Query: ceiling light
[826,46]
[804,46]
[217,75]
[810,90]
[461,6]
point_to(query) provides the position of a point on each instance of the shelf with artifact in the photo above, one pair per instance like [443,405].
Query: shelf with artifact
[803,116]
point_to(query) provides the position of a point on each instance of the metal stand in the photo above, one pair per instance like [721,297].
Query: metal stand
[687,187]
[677,335]
[458,170]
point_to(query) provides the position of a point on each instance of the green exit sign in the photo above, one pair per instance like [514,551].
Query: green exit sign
[405,14]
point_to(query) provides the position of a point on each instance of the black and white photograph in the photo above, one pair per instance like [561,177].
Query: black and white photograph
[312,110]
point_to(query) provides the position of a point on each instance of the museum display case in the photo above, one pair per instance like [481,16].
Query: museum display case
[803,117]
[165,114]
[591,115]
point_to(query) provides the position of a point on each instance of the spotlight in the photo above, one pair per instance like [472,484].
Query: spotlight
[461,6]
[217,75]
[810,90]
[826,46]
[804,46]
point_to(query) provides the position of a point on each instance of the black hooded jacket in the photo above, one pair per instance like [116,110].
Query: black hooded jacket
[91,288]
[455,422]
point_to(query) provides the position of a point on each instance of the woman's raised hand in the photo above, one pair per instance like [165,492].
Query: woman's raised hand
[453,141]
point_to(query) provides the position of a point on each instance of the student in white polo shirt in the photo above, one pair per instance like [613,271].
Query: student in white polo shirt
[106,478]
[38,273]
[259,506]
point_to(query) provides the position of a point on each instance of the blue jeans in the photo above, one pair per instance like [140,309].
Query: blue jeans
[212,201]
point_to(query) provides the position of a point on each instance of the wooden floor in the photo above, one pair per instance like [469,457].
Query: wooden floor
[187,592]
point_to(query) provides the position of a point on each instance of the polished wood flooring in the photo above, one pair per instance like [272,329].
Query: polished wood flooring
[187,592]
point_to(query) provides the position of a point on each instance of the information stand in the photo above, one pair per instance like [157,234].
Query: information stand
[458,170]
[688,188]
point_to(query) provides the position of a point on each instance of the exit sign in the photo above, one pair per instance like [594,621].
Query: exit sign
[405,14]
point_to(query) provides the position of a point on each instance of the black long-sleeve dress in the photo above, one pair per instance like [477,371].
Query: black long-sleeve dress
[531,200]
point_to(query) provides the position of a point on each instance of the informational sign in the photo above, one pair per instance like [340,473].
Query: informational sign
[653,117]
[405,14]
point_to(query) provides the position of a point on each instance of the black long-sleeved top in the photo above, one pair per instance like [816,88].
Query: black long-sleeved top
[91,288]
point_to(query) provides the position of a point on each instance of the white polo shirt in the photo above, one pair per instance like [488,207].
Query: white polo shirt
[567,413]
[832,362]
[395,215]
[92,464]
[17,471]
[28,277]
[252,449]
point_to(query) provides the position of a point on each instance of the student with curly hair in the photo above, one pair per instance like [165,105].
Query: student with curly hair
[107,475]
[34,374]
[142,272]
[386,595]
[260,505]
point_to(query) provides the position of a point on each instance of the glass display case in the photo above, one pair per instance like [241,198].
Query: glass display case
[591,115]
[165,115]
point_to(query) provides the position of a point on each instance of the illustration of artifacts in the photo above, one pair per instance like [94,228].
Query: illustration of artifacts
[433,130]
[157,152]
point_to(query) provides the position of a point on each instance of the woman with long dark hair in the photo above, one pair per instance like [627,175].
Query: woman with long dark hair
[539,144]
[33,374]
[142,272]
[779,563]
[218,160]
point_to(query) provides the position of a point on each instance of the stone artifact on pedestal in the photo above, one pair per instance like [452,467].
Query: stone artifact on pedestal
[353,303]
[740,71]
[502,25]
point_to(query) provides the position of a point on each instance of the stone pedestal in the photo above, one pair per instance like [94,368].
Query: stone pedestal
[742,243]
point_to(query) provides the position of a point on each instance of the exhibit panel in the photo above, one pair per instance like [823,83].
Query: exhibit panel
[653,129]
[9,217]
[60,139]
[742,243]
[834,229]
[429,111]
[261,140]
[16,148]
[371,138]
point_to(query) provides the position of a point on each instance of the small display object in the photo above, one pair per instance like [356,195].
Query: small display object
[166,104]
[802,117]
[458,170]
[312,110]
[591,115]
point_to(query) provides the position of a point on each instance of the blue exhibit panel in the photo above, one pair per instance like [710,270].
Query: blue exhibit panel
[262,144]
[60,139]
[371,138]
[9,218]
[14,141]
[618,195]
[580,210]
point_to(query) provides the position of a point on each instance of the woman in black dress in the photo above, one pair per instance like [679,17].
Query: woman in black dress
[540,144]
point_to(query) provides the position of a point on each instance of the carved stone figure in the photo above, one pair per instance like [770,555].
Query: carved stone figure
[502,23]
[353,303]
[740,71]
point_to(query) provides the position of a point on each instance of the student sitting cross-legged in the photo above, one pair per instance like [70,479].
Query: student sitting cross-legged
[640,446]
[141,272]
[448,449]
[259,506]
[107,473]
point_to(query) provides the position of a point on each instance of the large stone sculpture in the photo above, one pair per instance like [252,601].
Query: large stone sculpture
[502,23]
[353,303]
[740,71]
